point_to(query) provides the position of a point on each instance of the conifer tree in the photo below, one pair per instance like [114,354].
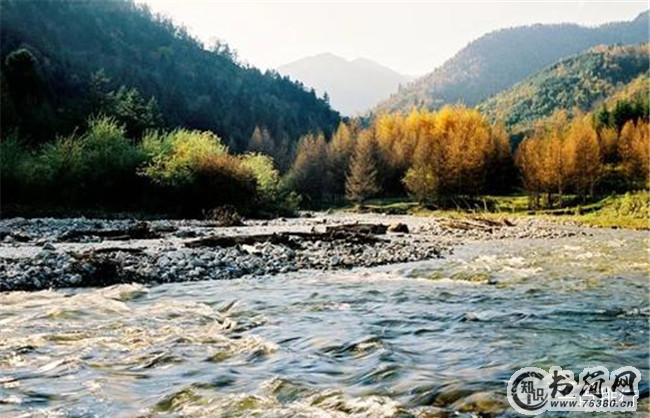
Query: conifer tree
[362,179]
[339,152]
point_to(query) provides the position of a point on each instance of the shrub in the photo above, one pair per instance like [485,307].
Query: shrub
[108,159]
[175,156]
[221,180]
[17,164]
[195,173]
[98,167]
[266,176]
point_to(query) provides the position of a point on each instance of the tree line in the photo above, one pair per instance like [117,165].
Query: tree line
[438,158]
[583,155]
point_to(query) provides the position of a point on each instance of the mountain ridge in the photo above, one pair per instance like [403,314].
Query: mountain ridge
[70,45]
[577,82]
[501,58]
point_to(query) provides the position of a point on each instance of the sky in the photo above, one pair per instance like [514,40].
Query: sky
[410,37]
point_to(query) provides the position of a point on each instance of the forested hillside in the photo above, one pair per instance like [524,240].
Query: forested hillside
[502,58]
[63,61]
[578,82]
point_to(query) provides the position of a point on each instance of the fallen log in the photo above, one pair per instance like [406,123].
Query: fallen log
[141,230]
[493,222]
[288,239]
[367,229]
[464,225]
[476,223]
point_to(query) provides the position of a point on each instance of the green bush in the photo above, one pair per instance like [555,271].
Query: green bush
[175,156]
[95,168]
[266,175]
[634,205]
[193,172]
[17,166]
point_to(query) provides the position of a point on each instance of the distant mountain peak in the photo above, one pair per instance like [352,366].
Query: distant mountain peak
[354,86]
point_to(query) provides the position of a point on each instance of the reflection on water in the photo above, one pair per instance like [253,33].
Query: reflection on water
[425,339]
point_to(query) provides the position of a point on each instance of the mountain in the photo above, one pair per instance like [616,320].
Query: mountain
[62,59]
[502,58]
[353,86]
[580,81]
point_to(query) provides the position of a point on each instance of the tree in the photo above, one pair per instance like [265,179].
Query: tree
[339,152]
[23,76]
[261,142]
[542,160]
[634,149]
[584,159]
[456,152]
[307,175]
[128,107]
[361,182]
[608,143]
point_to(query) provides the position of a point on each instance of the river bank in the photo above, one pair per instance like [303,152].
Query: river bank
[78,252]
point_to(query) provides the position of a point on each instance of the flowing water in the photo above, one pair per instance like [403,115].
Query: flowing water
[423,339]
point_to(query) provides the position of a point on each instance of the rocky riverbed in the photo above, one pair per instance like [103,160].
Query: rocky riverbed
[55,253]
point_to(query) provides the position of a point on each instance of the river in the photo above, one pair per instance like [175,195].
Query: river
[421,339]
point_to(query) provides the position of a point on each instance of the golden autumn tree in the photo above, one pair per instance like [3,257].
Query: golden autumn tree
[583,156]
[527,159]
[634,149]
[422,178]
[392,146]
[608,142]
[500,161]
[455,154]
[542,160]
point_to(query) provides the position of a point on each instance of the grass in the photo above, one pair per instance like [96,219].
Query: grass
[629,210]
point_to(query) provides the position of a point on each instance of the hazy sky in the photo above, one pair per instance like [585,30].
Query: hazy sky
[410,37]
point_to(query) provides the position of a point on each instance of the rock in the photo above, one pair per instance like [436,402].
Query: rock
[74,279]
[163,262]
[48,247]
[399,228]
[188,233]
[43,254]
[469,317]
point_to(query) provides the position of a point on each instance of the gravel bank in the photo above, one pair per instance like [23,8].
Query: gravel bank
[52,253]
